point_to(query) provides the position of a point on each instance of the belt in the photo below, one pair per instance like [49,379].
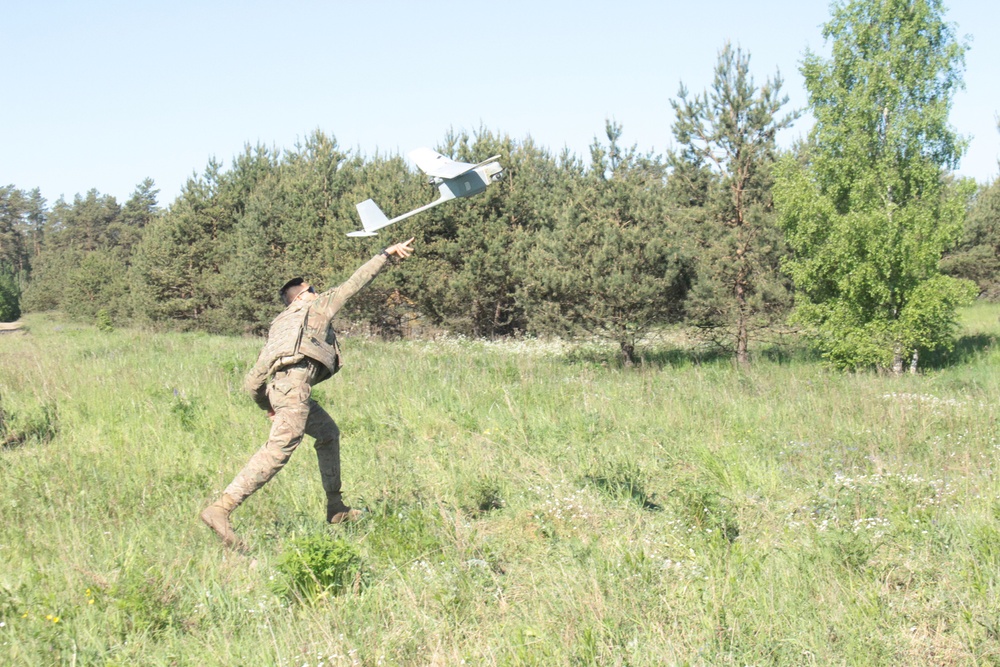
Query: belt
[307,363]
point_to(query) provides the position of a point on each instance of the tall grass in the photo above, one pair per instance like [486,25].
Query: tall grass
[530,504]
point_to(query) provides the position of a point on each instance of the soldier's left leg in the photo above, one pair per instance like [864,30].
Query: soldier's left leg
[289,394]
[322,427]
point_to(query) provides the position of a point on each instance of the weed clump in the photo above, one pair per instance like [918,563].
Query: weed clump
[16,431]
[621,480]
[708,511]
[148,603]
[488,495]
[317,565]
[404,531]
[185,410]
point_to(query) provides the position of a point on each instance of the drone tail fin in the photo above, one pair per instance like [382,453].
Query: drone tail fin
[372,217]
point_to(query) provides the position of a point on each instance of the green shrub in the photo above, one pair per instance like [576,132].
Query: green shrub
[103,321]
[317,565]
[403,531]
[185,410]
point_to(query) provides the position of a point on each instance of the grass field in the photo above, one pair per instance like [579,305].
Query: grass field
[530,504]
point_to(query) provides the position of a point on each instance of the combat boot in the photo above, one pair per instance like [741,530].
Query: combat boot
[338,512]
[216,517]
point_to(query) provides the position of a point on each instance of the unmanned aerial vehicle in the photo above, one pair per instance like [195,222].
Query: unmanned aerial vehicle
[454,180]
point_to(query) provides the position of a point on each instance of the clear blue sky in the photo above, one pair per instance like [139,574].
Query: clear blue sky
[101,94]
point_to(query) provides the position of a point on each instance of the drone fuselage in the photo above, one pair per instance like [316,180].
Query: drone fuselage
[453,180]
[470,183]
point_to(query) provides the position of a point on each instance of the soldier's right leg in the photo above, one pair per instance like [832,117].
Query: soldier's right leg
[322,427]
[289,395]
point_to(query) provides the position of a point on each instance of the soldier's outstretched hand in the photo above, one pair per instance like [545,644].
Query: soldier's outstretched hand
[401,250]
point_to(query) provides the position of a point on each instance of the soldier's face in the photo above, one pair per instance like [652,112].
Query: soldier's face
[308,294]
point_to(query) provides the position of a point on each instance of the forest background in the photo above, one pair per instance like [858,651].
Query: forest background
[861,236]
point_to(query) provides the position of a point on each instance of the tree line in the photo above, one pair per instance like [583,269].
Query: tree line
[859,235]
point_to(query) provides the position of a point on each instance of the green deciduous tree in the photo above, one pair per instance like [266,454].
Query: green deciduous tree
[723,176]
[872,210]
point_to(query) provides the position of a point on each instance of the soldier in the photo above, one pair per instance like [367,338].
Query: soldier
[301,351]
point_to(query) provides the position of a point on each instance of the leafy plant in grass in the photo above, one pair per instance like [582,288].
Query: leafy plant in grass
[487,495]
[185,410]
[316,565]
[404,531]
[621,480]
[148,602]
[853,550]
[708,510]
[40,427]
[856,515]
[11,602]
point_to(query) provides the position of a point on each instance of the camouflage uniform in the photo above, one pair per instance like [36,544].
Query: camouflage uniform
[301,351]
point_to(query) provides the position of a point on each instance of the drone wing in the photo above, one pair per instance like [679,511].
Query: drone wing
[433,163]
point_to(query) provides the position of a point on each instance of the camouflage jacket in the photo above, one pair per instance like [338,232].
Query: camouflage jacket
[304,330]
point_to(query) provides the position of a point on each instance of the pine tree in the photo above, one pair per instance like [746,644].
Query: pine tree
[471,268]
[614,264]
[728,148]
[35,222]
[13,249]
[10,295]
[139,211]
[177,267]
[78,268]
[977,257]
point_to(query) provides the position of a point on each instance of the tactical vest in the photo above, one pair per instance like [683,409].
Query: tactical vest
[289,340]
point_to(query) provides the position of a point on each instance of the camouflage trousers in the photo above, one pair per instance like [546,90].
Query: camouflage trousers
[295,415]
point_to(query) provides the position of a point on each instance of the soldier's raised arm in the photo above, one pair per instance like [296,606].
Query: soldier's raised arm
[332,300]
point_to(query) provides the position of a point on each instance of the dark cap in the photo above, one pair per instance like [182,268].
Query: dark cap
[288,291]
